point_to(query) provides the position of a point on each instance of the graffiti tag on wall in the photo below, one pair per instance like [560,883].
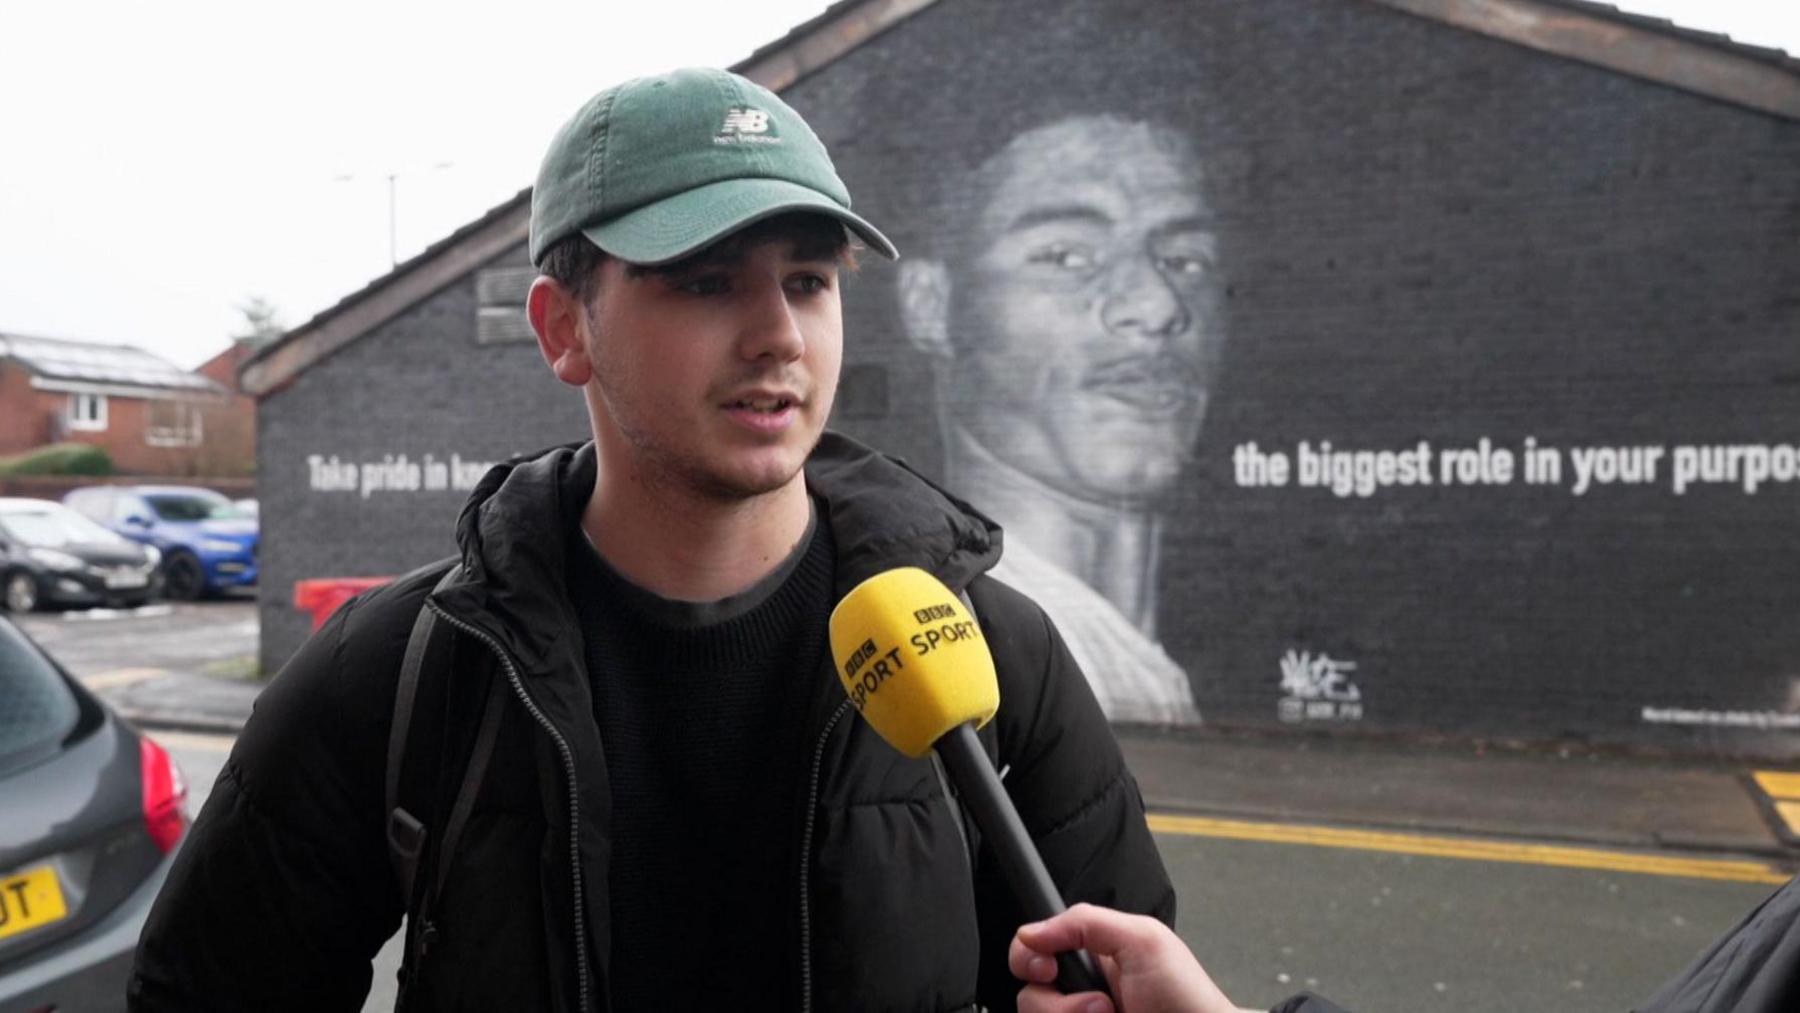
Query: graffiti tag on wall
[1317,688]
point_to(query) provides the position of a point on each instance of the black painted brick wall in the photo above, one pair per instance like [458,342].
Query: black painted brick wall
[1427,234]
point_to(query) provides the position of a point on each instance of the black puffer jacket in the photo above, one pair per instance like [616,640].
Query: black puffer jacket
[283,892]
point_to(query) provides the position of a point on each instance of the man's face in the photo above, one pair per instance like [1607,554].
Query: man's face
[1086,325]
[718,378]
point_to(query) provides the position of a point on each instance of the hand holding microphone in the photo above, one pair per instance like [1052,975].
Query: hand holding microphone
[1149,967]
[916,666]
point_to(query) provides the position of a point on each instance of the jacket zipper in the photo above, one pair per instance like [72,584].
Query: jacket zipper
[812,807]
[568,759]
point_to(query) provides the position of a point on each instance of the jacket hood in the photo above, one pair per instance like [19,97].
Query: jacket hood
[883,515]
[514,533]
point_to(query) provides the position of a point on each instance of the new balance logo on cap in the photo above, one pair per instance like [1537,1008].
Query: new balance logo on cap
[745,121]
[745,125]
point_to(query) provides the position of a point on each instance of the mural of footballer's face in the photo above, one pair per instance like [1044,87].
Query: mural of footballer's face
[1082,326]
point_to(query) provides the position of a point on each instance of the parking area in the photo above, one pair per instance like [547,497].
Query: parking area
[204,637]
[173,664]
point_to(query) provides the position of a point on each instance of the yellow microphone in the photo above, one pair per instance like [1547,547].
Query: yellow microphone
[912,659]
[917,668]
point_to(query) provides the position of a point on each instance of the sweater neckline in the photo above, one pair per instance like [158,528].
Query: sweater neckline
[678,614]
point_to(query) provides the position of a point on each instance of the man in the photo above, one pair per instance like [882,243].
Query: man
[680,811]
[1077,332]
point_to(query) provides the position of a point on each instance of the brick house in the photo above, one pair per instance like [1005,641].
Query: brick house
[230,425]
[149,415]
[1445,277]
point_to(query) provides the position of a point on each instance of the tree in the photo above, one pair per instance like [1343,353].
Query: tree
[262,322]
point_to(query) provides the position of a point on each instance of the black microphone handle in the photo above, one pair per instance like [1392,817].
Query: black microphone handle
[982,794]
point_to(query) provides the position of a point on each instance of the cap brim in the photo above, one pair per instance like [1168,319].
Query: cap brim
[688,222]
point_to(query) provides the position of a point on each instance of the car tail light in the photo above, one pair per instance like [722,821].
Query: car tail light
[165,793]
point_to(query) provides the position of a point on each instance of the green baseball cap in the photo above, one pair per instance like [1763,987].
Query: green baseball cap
[657,168]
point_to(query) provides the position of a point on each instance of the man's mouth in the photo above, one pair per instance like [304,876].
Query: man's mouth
[766,405]
[1153,385]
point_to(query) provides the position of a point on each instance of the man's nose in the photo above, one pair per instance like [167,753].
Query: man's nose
[770,327]
[1139,301]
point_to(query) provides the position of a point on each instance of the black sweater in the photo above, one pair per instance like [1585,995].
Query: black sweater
[698,710]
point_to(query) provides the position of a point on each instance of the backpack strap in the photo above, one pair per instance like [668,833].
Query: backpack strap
[471,783]
[406,834]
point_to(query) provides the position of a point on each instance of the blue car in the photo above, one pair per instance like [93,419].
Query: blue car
[208,544]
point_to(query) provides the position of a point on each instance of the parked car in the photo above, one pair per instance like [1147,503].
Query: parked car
[50,554]
[92,815]
[207,543]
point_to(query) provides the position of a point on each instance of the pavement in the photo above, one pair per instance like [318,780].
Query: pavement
[193,679]
[1592,798]
[183,701]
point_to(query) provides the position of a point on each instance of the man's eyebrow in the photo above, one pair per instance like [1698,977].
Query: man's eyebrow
[1058,213]
[686,267]
[1191,223]
[821,253]
[728,256]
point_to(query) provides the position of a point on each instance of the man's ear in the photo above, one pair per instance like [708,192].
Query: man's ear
[924,290]
[556,315]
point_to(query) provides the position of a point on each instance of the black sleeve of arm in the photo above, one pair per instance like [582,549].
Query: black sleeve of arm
[1068,779]
[281,894]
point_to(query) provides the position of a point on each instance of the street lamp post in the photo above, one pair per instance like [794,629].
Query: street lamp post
[393,202]
[393,221]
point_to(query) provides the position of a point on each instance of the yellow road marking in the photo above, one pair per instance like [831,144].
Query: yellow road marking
[121,677]
[1790,814]
[1469,848]
[1779,783]
[194,740]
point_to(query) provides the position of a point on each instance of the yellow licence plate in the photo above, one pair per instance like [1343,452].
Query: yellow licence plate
[30,899]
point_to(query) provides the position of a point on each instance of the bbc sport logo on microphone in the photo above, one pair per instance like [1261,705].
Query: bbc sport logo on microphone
[954,629]
[858,683]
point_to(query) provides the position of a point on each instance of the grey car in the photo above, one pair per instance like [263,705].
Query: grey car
[91,813]
[51,555]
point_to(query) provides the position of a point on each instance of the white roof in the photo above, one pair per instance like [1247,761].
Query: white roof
[124,365]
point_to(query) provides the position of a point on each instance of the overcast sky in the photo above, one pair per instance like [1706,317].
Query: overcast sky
[161,163]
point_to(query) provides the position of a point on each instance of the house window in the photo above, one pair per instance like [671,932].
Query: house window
[500,305]
[87,412]
[172,424]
